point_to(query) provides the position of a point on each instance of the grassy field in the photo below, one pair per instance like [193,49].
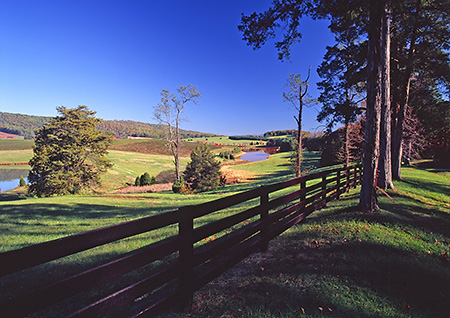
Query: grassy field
[343,263]
[15,144]
[340,262]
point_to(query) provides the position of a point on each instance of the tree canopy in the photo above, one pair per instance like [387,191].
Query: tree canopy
[69,153]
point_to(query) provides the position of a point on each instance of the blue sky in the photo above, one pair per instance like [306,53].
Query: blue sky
[116,57]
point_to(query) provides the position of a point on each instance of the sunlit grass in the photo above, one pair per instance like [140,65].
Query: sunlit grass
[344,263]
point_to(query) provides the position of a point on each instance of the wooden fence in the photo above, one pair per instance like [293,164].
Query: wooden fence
[170,270]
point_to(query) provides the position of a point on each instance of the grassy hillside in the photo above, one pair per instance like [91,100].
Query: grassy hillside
[343,263]
[26,125]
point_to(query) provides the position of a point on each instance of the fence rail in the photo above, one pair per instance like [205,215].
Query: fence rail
[170,270]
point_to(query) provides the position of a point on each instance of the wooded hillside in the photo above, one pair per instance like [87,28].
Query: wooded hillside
[26,125]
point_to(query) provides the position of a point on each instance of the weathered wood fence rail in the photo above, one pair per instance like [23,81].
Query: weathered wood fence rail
[168,271]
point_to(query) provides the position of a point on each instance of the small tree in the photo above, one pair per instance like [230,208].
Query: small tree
[22,182]
[168,112]
[296,93]
[203,171]
[69,153]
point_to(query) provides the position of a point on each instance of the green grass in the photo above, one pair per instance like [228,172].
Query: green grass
[128,165]
[339,262]
[15,156]
[15,144]
[344,263]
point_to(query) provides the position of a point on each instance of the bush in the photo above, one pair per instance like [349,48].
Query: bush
[178,185]
[287,144]
[203,171]
[166,176]
[137,182]
[145,179]
[22,182]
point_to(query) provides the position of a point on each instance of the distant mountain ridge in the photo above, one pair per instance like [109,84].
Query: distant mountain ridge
[26,125]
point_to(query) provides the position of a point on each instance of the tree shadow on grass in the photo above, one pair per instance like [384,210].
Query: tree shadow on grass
[11,197]
[355,279]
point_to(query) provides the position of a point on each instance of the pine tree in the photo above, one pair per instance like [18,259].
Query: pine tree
[69,153]
[203,171]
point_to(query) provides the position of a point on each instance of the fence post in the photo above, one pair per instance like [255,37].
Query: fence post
[186,228]
[347,183]
[338,184]
[264,201]
[303,195]
[324,188]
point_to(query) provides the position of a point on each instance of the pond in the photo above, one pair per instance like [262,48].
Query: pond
[9,178]
[255,156]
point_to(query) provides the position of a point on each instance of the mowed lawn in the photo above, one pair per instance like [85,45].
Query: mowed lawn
[344,263]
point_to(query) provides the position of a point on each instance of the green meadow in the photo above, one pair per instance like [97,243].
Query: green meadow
[339,262]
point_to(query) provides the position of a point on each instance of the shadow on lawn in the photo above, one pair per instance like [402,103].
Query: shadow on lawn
[339,276]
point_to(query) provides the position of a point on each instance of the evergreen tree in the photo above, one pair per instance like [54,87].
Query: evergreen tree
[203,171]
[137,181]
[145,179]
[22,182]
[69,153]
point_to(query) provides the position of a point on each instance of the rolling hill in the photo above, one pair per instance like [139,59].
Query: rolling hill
[26,125]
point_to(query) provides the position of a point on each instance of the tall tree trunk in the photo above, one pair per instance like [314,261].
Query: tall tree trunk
[368,195]
[385,164]
[397,132]
[399,113]
[298,159]
[176,155]
[346,143]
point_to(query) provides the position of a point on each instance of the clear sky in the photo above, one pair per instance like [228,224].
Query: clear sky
[115,56]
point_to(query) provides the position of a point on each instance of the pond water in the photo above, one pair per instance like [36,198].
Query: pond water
[6,185]
[255,156]
[9,178]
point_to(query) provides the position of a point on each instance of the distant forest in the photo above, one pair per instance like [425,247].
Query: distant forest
[26,125]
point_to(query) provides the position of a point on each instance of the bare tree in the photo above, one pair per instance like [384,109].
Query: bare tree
[168,112]
[296,93]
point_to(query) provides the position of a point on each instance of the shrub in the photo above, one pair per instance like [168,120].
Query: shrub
[166,176]
[203,171]
[145,179]
[137,182]
[287,144]
[22,182]
[178,185]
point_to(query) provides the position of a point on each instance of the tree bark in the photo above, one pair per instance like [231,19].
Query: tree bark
[346,143]
[368,195]
[397,133]
[385,164]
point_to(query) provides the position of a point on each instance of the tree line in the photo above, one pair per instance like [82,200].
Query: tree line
[27,125]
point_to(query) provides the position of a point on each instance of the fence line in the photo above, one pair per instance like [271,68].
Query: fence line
[170,270]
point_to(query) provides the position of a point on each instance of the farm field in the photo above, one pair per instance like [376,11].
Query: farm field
[339,262]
